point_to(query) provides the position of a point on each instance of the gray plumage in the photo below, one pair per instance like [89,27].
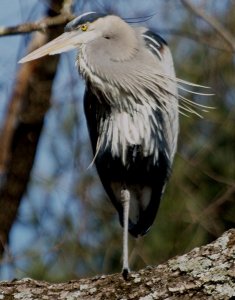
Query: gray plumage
[131,106]
[136,84]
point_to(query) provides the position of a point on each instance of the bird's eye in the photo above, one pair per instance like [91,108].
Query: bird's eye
[84,27]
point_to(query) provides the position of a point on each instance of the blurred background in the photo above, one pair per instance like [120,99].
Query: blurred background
[56,222]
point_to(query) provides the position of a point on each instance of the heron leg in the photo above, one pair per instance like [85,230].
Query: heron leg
[125,198]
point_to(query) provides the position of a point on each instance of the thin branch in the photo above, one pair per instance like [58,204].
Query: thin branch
[42,25]
[203,39]
[213,22]
[228,194]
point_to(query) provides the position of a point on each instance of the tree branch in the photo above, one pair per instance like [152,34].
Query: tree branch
[204,273]
[213,22]
[42,25]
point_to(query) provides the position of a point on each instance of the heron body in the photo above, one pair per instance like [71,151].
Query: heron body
[131,107]
[133,131]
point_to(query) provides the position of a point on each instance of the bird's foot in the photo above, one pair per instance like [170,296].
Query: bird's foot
[125,273]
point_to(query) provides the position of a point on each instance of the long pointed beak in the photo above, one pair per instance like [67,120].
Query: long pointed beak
[65,42]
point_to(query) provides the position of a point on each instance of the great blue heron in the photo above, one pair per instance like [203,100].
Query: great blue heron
[131,107]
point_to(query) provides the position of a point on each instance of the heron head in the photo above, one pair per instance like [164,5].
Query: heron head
[83,29]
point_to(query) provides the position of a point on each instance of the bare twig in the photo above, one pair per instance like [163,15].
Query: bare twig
[37,26]
[213,22]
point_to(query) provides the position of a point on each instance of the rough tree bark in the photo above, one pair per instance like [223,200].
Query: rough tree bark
[207,272]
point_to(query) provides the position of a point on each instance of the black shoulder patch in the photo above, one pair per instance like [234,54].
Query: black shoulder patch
[84,18]
[156,37]
[155,43]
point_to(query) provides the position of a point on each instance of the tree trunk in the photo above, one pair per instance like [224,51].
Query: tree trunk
[22,128]
[207,272]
